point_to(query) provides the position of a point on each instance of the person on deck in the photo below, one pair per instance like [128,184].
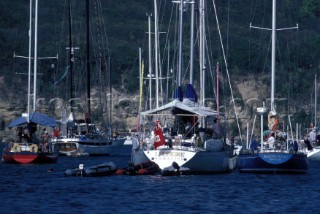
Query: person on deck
[201,135]
[271,141]
[312,137]
[56,132]
[45,140]
[275,126]
[254,145]
[27,135]
[216,129]
[19,132]
[307,142]
[295,146]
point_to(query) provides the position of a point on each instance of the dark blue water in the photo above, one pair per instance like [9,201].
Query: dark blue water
[33,189]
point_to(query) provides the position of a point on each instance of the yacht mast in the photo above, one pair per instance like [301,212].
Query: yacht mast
[156,33]
[273,53]
[88,59]
[191,42]
[315,101]
[202,51]
[35,56]
[71,50]
[29,60]
[149,58]
[180,43]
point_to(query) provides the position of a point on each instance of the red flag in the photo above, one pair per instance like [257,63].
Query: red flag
[159,138]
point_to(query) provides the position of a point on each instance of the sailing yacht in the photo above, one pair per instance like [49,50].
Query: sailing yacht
[313,148]
[82,137]
[275,155]
[27,148]
[178,135]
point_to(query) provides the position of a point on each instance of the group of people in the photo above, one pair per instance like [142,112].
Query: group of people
[190,129]
[44,140]
[274,142]
[270,143]
[26,135]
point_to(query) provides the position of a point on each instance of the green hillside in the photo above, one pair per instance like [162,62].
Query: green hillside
[119,28]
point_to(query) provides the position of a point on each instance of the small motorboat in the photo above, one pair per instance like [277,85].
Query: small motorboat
[104,169]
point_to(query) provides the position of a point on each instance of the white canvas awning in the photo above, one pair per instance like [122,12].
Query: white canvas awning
[189,106]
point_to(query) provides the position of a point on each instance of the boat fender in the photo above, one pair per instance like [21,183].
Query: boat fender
[16,147]
[70,172]
[142,171]
[120,172]
[34,148]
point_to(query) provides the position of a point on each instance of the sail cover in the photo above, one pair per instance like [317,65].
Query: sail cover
[178,94]
[191,93]
[176,104]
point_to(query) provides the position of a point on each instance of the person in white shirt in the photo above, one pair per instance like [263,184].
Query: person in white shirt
[312,137]
[271,141]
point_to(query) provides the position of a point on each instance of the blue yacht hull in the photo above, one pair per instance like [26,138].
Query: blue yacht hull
[273,162]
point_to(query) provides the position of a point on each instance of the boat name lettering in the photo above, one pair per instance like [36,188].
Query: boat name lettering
[274,156]
[175,154]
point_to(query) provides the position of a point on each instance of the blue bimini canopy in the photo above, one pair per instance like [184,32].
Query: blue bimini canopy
[36,118]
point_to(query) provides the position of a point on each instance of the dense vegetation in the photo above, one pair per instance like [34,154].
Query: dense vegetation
[118,29]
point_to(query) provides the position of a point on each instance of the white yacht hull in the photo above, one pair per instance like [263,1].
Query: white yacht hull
[314,154]
[199,161]
[75,146]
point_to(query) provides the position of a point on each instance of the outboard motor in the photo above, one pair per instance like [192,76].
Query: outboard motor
[176,166]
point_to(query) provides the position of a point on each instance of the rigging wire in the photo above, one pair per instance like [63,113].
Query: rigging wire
[16,38]
[101,33]
[226,65]
[228,26]
[259,43]
[175,49]
[209,54]
[168,34]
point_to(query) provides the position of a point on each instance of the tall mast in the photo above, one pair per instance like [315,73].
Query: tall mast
[191,42]
[70,58]
[168,72]
[140,79]
[202,51]
[180,43]
[273,50]
[110,89]
[150,65]
[217,89]
[273,53]
[35,56]
[88,59]
[156,33]
[29,59]
[315,101]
